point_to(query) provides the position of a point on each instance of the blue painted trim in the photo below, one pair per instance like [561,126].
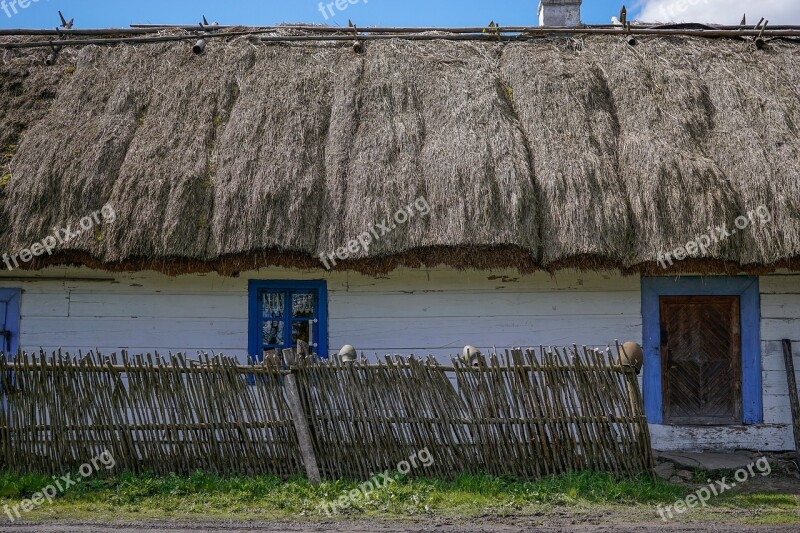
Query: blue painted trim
[254,344]
[11,297]
[747,288]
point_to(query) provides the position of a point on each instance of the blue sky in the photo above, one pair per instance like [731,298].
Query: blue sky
[117,13]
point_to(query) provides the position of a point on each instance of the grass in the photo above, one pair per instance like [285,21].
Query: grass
[268,496]
[205,496]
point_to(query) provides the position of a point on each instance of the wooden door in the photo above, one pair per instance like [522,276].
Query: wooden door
[701,360]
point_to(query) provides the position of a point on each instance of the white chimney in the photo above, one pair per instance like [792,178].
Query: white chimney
[562,13]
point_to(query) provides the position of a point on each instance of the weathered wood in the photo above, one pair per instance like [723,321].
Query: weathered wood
[787,353]
[450,34]
[702,361]
[300,422]
[516,413]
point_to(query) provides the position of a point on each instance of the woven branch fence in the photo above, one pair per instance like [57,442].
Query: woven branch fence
[517,413]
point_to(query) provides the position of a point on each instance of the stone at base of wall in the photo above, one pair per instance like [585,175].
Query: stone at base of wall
[678,467]
[711,462]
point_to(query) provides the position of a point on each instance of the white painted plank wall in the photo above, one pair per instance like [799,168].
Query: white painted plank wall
[780,319]
[409,311]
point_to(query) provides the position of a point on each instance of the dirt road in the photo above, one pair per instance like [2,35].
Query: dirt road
[486,525]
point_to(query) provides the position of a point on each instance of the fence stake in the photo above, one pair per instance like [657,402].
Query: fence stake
[300,423]
[790,377]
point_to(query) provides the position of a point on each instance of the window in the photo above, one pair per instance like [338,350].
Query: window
[702,350]
[285,312]
[9,320]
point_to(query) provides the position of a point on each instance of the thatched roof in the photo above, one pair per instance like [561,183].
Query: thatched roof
[555,153]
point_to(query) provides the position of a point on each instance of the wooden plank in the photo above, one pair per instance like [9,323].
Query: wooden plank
[780,284]
[443,356]
[780,306]
[149,304]
[775,383]
[151,281]
[772,357]
[451,280]
[775,329]
[440,279]
[219,334]
[777,409]
[191,353]
[765,437]
[420,335]
[487,306]
[44,304]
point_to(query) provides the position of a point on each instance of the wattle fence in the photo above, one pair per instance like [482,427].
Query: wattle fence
[519,413]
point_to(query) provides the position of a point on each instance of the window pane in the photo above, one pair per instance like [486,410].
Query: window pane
[301,331]
[273,305]
[303,305]
[273,333]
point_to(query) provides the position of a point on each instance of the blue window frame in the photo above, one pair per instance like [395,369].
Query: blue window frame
[283,312]
[747,288]
[9,320]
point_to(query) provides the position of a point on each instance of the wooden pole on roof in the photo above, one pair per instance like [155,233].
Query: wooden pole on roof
[149,29]
[448,34]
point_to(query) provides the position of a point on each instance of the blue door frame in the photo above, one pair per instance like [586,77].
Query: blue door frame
[747,288]
[9,320]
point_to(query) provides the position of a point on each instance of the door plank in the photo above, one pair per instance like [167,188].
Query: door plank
[701,360]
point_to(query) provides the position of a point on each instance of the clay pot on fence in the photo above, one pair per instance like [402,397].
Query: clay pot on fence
[348,354]
[632,355]
[471,356]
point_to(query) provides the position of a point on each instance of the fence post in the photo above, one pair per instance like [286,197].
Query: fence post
[637,410]
[793,400]
[300,422]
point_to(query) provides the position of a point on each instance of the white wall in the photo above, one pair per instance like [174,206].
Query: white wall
[423,312]
[780,319]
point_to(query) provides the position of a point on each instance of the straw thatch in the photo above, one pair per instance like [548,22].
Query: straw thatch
[546,154]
